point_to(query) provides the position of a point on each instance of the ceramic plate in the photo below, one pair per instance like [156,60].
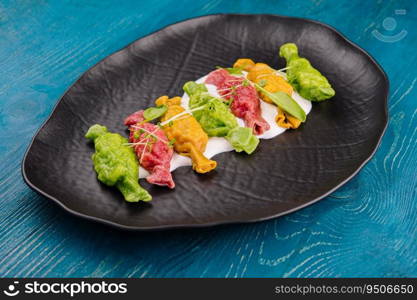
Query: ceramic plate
[285,173]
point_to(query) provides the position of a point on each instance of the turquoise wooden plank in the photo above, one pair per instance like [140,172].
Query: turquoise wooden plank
[366,228]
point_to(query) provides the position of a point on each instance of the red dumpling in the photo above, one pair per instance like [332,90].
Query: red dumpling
[152,149]
[245,100]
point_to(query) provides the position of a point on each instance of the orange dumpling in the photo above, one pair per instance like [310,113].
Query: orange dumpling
[188,136]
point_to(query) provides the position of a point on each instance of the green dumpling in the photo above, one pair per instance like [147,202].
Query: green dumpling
[216,119]
[306,80]
[115,163]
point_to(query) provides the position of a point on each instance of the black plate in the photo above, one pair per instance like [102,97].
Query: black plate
[286,173]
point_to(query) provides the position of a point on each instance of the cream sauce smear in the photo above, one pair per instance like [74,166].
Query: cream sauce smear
[217,145]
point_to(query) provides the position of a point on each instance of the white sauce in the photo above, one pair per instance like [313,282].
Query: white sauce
[217,145]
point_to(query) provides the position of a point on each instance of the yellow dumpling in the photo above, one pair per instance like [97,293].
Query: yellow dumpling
[188,135]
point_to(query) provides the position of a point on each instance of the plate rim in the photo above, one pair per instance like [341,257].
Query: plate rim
[216,223]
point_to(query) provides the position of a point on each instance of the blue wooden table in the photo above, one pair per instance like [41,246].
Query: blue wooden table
[366,228]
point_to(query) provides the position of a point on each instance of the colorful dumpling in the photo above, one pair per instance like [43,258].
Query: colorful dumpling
[244,99]
[115,163]
[152,148]
[217,120]
[307,80]
[188,136]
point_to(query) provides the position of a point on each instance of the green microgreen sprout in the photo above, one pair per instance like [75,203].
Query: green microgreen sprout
[262,82]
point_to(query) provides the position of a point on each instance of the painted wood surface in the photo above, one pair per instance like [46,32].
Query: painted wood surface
[366,228]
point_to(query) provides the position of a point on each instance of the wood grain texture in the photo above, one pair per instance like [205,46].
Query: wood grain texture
[366,228]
